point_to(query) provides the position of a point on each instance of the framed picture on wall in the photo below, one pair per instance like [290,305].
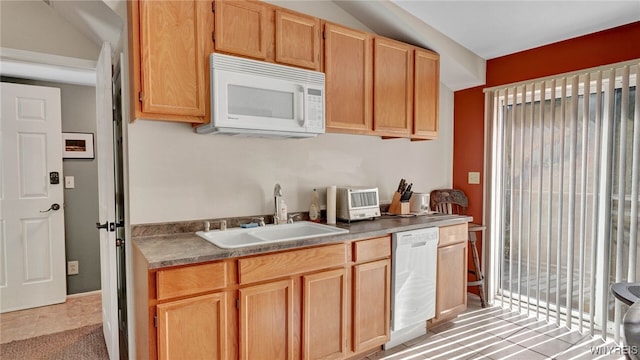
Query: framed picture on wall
[77,145]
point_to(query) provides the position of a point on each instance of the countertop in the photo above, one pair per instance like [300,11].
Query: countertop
[168,250]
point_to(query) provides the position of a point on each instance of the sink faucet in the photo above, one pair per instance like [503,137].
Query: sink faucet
[277,192]
[292,217]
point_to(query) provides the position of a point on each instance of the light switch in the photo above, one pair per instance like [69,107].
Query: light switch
[474,177]
[69,182]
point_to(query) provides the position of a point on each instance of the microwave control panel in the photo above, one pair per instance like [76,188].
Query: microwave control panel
[315,108]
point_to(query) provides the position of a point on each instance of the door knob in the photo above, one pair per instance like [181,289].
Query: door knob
[53,207]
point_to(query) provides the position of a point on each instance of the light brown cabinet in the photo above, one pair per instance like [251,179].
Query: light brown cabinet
[298,39]
[371,304]
[193,328]
[169,45]
[241,28]
[371,276]
[425,94]
[266,321]
[451,282]
[266,32]
[379,86]
[348,77]
[324,302]
[374,85]
[270,323]
[392,88]
[324,315]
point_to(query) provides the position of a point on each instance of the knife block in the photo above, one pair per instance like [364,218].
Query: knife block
[397,207]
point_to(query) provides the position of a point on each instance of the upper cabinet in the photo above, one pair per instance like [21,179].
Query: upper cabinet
[241,28]
[169,43]
[425,94]
[348,78]
[374,85]
[266,32]
[392,88]
[298,39]
[378,86]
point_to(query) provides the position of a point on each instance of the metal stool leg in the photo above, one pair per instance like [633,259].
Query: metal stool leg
[477,271]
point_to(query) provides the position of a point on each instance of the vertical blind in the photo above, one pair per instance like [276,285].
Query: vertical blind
[564,157]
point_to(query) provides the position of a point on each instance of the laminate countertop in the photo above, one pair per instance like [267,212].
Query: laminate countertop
[183,248]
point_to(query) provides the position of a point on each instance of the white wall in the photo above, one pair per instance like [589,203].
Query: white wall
[176,174]
[34,26]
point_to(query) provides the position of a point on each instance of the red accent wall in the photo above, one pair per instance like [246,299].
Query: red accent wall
[592,50]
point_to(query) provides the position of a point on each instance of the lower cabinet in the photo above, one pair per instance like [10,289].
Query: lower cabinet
[193,328]
[371,304]
[451,282]
[325,302]
[324,315]
[266,321]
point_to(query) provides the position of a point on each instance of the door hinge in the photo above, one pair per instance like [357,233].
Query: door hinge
[140,96]
[237,303]
[213,6]
[324,35]
[155,321]
[213,36]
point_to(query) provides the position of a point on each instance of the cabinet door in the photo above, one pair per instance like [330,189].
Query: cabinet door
[451,297]
[240,28]
[174,44]
[193,328]
[426,89]
[371,304]
[298,40]
[324,315]
[347,67]
[392,88]
[266,321]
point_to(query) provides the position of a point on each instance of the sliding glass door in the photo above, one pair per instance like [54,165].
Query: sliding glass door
[565,154]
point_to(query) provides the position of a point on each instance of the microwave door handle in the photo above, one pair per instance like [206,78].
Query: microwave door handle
[302,107]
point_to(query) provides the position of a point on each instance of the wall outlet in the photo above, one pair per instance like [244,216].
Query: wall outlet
[474,177]
[73,268]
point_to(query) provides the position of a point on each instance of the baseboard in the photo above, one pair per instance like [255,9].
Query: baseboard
[84,294]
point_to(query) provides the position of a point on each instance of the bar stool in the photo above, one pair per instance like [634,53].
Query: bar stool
[454,201]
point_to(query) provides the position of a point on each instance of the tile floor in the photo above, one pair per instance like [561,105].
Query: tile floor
[496,333]
[76,312]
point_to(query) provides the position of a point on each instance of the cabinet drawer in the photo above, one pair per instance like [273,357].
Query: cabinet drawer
[372,249]
[452,234]
[191,280]
[289,263]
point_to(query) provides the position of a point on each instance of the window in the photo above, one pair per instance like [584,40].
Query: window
[565,161]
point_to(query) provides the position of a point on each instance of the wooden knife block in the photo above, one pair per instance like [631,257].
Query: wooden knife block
[397,207]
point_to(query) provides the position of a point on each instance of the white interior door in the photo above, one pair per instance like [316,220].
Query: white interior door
[32,248]
[106,201]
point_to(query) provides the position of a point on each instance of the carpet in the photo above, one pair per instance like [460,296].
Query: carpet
[78,344]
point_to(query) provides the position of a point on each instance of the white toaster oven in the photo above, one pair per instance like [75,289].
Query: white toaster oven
[357,203]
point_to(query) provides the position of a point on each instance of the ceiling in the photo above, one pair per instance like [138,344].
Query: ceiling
[467,33]
[495,28]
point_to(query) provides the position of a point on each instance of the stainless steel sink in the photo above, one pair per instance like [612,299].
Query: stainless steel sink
[235,238]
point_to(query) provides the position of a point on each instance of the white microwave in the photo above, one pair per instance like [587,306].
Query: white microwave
[257,98]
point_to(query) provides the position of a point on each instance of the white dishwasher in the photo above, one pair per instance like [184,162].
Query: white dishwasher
[413,299]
